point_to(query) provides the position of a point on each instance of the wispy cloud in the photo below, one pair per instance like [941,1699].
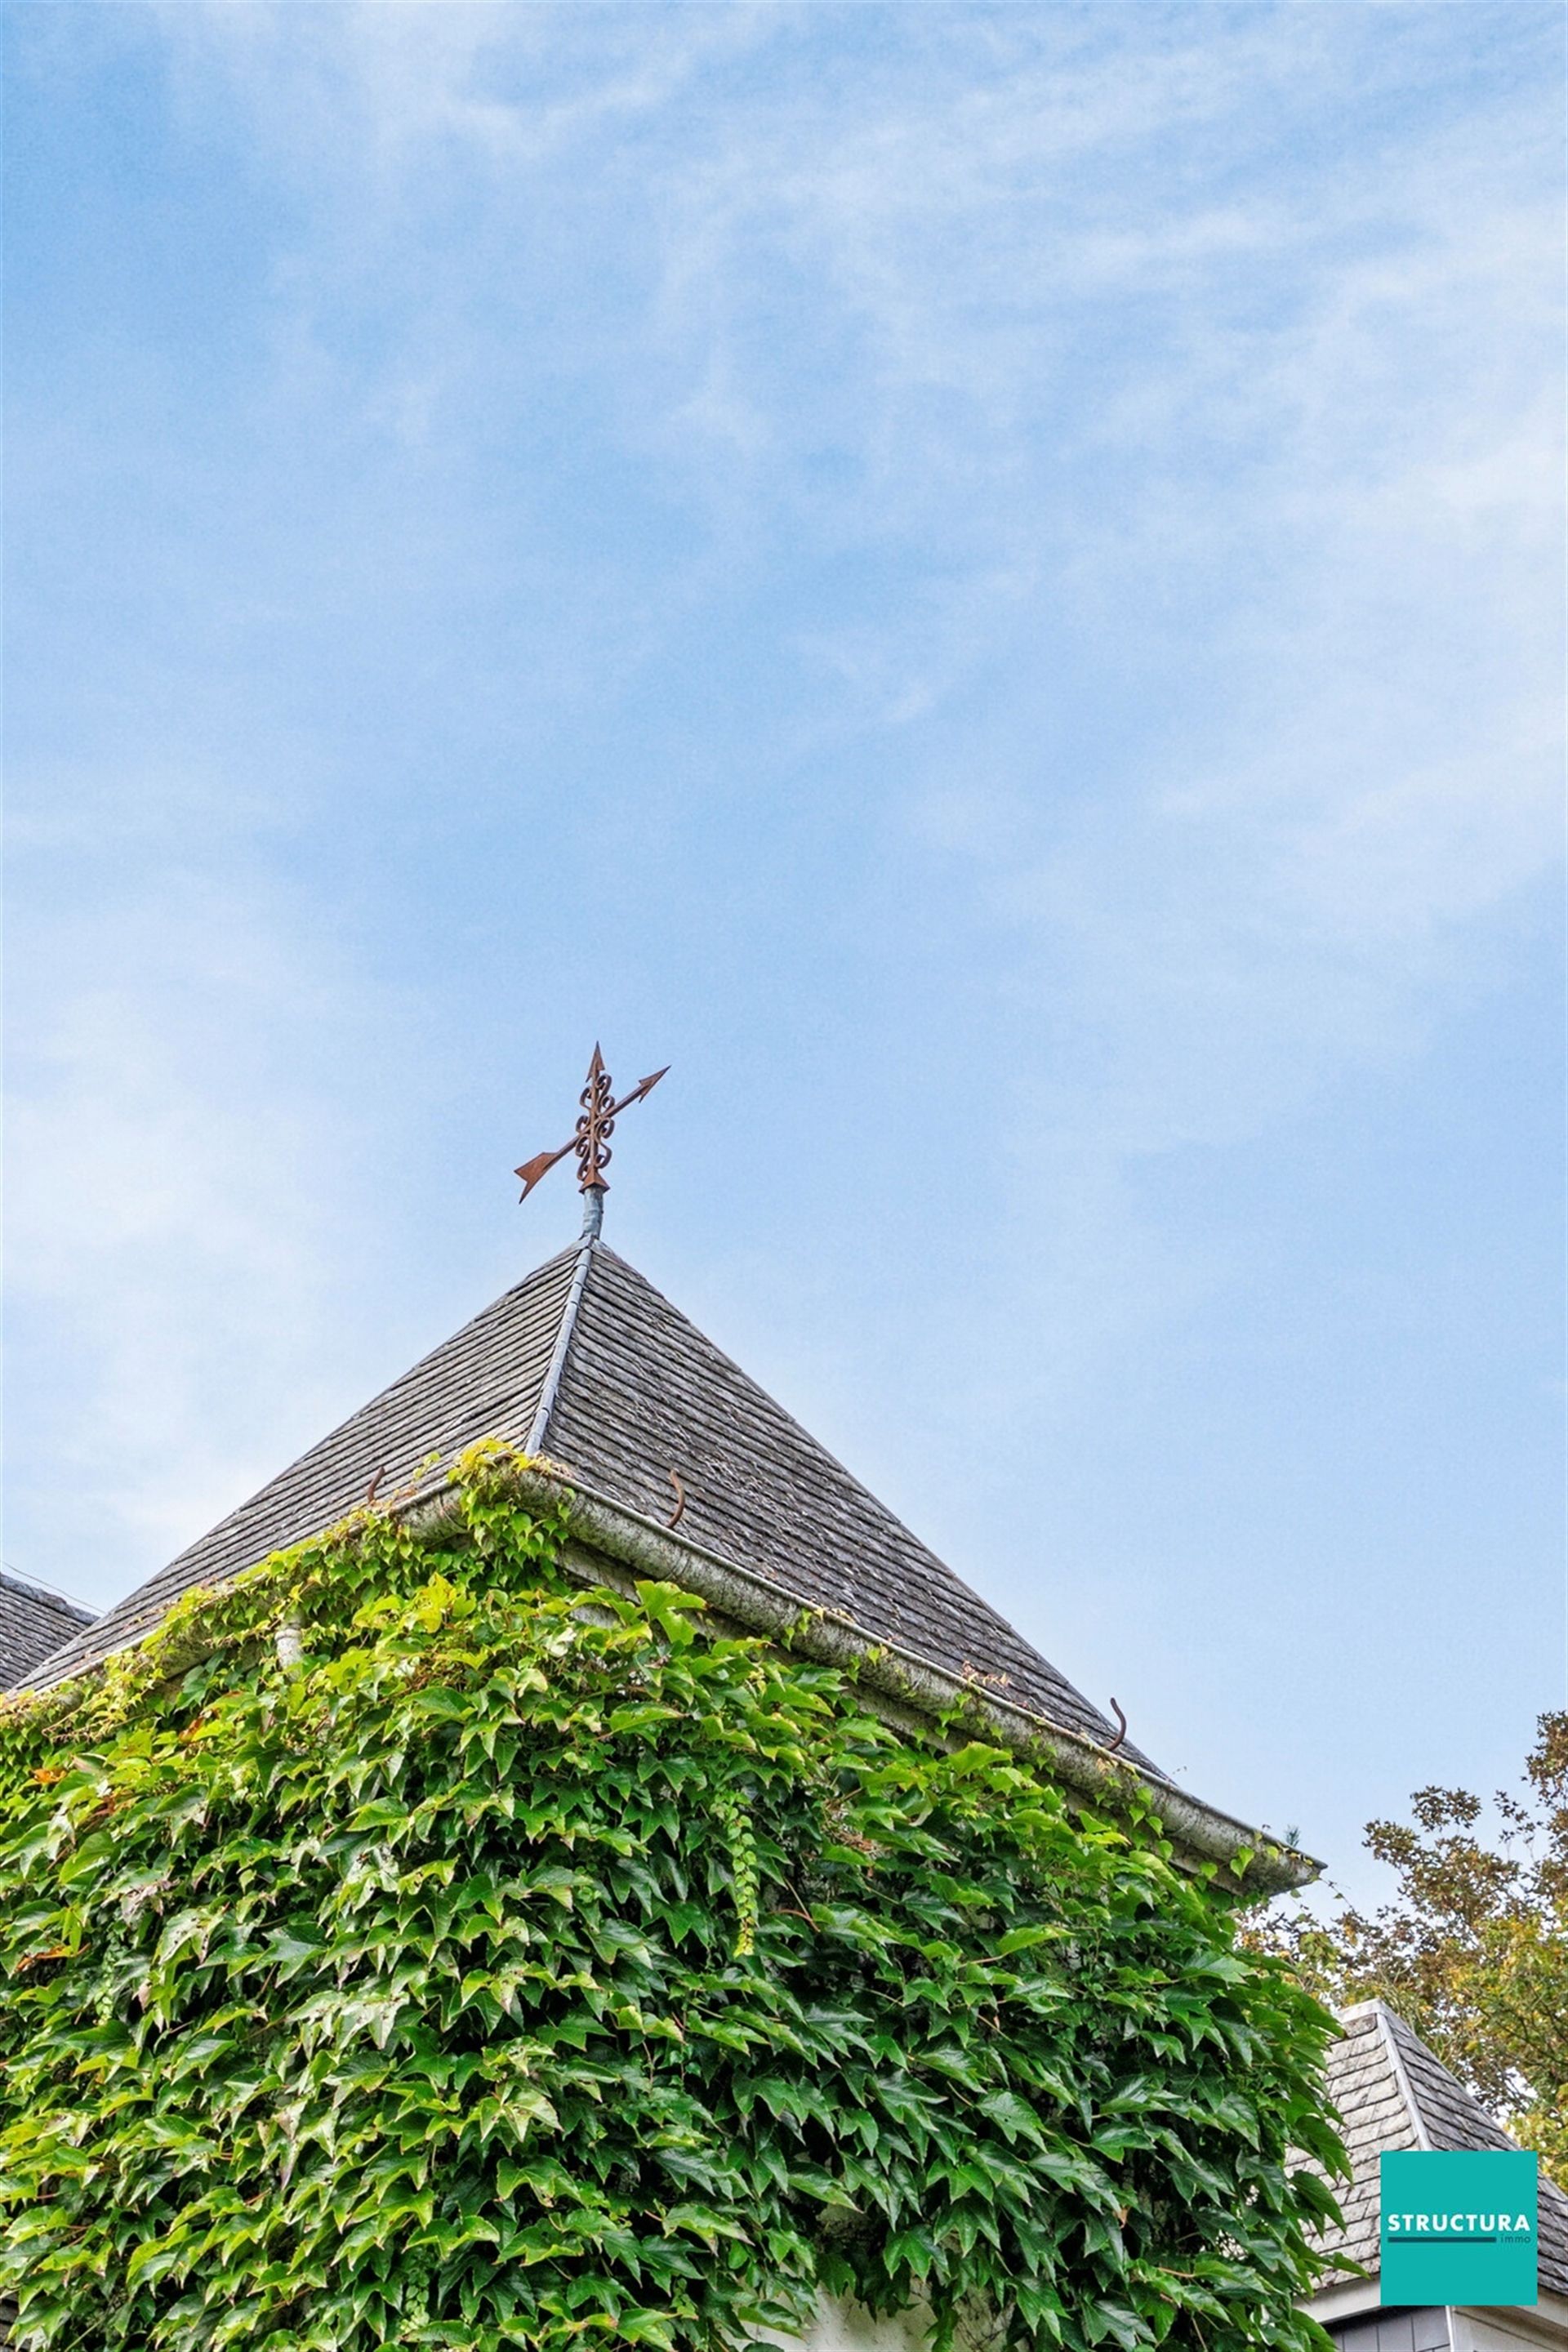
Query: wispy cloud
[1201,363]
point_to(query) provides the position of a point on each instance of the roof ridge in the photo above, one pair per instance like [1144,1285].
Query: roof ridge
[556,1370]
[1397,2025]
[1387,2018]
[48,1594]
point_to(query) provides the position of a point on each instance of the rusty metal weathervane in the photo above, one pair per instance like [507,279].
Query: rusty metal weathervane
[590,1140]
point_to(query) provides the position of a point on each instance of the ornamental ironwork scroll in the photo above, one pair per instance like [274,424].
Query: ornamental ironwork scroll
[590,1138]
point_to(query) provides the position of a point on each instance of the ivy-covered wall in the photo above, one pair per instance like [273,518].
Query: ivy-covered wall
[489,1963]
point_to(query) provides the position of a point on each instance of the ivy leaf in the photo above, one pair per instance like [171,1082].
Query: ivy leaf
[396,1998]
[1017,2121]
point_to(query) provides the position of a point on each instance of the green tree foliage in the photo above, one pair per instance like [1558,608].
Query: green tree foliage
[1474,1949]
[525,1967]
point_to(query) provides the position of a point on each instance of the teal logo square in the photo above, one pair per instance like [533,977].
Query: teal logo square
[1457,2229]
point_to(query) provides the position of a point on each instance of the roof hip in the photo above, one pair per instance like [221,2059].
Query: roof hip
[555,1370]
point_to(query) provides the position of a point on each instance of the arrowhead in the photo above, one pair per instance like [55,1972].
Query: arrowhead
[649,1084]
[532,1169]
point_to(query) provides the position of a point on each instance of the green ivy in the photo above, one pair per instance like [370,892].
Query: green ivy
[527,1966]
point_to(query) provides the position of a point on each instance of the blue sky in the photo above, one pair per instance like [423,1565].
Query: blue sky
[983,580]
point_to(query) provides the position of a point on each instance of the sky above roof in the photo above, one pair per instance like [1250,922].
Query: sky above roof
[984,583]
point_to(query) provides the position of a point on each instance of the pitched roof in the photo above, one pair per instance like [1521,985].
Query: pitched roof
[34,1622]
[1393,2093]
[585,1361]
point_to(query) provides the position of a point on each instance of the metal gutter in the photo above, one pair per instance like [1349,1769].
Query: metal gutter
[755,1600]
[616,1534]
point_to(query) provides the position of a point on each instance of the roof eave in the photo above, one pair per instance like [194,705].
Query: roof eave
[755,1600]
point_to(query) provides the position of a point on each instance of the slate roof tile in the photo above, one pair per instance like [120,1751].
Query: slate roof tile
[644,1392]
[33,1622]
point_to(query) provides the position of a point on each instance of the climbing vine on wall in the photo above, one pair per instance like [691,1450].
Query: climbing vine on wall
[530,1967]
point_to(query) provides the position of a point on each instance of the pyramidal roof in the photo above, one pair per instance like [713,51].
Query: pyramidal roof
[586,1364]
[1393,2093]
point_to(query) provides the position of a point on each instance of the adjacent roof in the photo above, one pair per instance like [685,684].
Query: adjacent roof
[34,1622]
[1392,2093]
[586,1362]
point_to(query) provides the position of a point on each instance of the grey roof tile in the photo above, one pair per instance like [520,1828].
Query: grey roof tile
[644,1393]
[34,1622]
[640,1392]
[1392,2093]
